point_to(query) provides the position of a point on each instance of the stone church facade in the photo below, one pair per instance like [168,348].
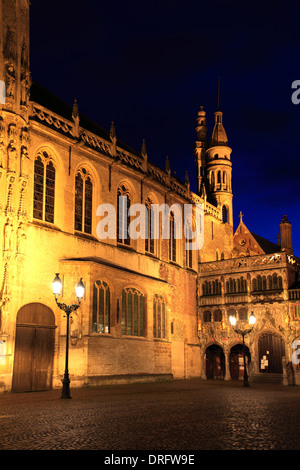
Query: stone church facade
[152,309]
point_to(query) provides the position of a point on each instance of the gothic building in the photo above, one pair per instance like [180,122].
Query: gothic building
[153,308]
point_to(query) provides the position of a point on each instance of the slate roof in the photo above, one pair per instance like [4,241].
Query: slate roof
[266,245]
[50,101]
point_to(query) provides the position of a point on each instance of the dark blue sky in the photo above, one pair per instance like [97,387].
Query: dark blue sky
[149,65]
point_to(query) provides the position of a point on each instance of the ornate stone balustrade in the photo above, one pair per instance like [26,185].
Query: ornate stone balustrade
[276,260]
[294,294]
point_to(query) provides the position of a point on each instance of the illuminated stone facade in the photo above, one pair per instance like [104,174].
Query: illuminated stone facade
[142,316]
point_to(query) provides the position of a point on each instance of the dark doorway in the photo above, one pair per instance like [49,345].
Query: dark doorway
[237,361]
[34,349]
[215,362]
[271,350]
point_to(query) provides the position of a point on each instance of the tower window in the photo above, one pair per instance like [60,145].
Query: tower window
[224,214]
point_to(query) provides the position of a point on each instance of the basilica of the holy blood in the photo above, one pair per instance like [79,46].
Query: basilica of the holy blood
[152,309]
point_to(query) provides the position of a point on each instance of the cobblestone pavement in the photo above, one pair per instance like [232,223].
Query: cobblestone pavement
[179,415]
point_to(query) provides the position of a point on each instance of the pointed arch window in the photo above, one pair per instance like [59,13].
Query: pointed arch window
[101,307]
[159,317]
[224,214]
[149,228]
[123,218]
[44,188]
[172,240]
[133,312]
[188,241]
[83,201]
[207,316]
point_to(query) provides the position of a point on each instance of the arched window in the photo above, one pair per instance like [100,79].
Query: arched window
[188,242]
[217,315]
[259,282]
[243,314]
[242,284]
[149,235]
[101,307]
[159,317]
[123,218]
[207,316]
[44,188]
[83,202]
[254,284]
[212,181]
[172,239]
[219,177]
[275,281]
[133,312]
[224,214]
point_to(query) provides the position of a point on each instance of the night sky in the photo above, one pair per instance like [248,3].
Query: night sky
[149,66]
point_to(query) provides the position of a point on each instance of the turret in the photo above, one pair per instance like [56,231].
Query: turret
[200,149]
[286,236]
[219,168]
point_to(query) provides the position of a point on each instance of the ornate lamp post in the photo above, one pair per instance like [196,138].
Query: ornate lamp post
[243,333]
[68,309]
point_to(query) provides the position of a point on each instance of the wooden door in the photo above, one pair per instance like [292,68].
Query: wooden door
[271,350]
[34,349]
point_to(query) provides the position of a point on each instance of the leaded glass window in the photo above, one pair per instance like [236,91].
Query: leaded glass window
[44,188]
[123,218]
[159,317]
[149,235]
[83,202]
[172,240]
[101,308]
[133,302]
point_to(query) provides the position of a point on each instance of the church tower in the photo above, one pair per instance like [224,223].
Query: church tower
[15,85]
[219,168]
[200,151]
[14,56]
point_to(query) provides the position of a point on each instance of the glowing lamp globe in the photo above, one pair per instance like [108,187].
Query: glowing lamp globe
[79,288]
[56,285]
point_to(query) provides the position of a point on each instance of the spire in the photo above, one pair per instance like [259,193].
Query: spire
[75,117]
[167,165]
[112,132]
[113,138]
[218,136]
[144,155]
[144,149]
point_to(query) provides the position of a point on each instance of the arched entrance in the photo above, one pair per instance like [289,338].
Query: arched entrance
[215,362]
[237,361]
[270,351]
[34,349]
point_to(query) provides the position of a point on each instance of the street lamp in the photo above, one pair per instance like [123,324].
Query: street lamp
[243,333]
[68,309]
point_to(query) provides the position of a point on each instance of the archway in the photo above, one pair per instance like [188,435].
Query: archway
[34,349]
[215,362]
[237,361]
[271,349]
